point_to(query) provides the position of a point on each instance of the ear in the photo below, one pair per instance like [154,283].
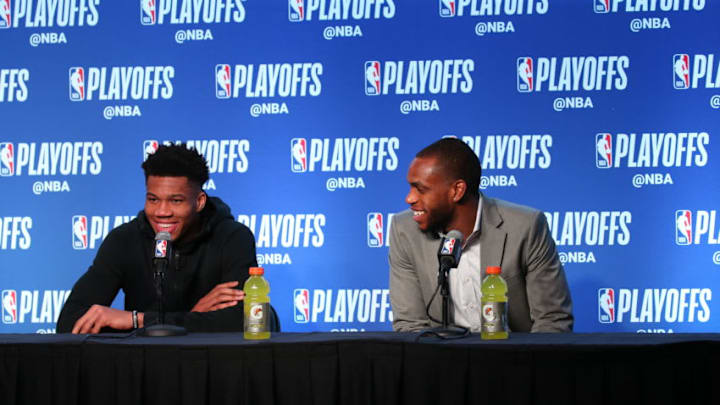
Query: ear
[201,200]
[458,190]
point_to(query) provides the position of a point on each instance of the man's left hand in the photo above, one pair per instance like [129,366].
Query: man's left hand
[222,296]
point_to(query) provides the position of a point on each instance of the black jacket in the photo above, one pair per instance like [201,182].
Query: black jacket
[222,251]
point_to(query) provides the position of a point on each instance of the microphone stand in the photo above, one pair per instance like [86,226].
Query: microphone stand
[161,329]
[443,281]
[449,257]
[447,331]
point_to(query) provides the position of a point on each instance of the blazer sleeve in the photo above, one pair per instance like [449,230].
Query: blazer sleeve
[547,289]
[406,298]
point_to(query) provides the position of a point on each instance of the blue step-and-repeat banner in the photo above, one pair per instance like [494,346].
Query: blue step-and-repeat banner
[603,114]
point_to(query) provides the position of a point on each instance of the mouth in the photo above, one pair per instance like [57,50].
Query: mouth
[419,215]
[165,227]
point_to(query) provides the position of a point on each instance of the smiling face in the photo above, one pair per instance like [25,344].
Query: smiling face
[431,196]
[172,204]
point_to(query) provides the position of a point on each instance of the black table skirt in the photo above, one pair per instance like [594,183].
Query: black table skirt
[360,368]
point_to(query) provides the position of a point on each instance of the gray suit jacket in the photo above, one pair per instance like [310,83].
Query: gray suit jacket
[512,236]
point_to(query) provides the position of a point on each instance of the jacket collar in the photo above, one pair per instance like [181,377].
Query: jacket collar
[492,235]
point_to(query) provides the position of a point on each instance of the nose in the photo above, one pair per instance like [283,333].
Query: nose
[163,209]
[411,198]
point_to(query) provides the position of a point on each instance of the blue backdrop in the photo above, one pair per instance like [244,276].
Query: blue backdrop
[600,113]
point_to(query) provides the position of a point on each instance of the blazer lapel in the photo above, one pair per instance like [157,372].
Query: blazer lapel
[492,237]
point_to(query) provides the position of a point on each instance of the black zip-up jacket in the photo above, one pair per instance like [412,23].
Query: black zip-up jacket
[223,251]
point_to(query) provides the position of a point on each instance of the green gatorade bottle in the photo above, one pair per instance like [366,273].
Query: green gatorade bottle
[257,305]
[494,305]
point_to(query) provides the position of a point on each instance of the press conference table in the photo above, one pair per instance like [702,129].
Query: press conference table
[360,368]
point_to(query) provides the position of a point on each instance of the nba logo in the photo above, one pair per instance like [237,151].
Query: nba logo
[5,15]
[161,249]
[7,159]
[79,232]
[375,229]
[448,247]
[77,83]
[683,227]
[603,151]
[447,8]
[298,155]
[606,305]
[222,81]
[296,10]
[372,78]
[9,304]
[301,302]
[149,147]
[524,75]
[148,16]
[681,71]
[602,6]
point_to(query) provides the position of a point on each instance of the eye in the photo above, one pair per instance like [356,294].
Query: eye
[177,201]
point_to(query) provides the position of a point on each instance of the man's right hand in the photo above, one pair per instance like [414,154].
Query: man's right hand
[222,296]
[99,316]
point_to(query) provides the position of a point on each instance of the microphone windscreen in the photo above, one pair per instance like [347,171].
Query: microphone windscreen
[162,235]
[455,234]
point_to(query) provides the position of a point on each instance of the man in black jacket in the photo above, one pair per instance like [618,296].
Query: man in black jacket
[211,257]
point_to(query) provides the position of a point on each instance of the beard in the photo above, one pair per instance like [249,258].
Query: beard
[438,221]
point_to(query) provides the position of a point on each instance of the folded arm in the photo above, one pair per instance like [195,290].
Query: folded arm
[221,309]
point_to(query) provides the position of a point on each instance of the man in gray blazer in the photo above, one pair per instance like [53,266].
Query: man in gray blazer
[444,195]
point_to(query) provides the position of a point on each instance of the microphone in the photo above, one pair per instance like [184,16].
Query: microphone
[162,255]
[450,249]
[163,252]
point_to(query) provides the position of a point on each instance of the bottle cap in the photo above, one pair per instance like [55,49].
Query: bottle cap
[256,271]
[493,270]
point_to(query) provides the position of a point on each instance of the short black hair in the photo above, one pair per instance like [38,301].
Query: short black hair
[177,161]
[458,161]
